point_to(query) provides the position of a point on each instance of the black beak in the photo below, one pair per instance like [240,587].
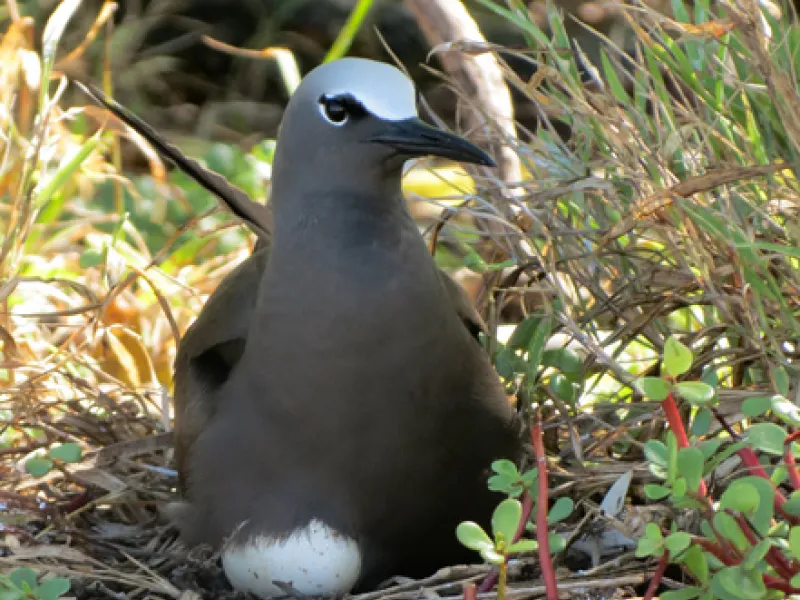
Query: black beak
[414,137]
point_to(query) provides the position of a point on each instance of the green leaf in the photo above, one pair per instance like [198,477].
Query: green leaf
[506,518]
[91,258]
[697,393]
[656,492]
[709,447]
[792,505]
[522,546]
[727,526]
[493,556]
[614,83]
[536,346]
[781,379]
[654,388]
[648,547]
[473,536]
[756,554]
[679,487]
[740,583]
[701,422]
[794,541]
[11,593]
[690,465]
[563,388]
[757,406]
[69,452]
[786,410]
[697,564]
[505,467]
[672,463]
[564,359]
[562,508]
[766,437]
[656,452]
[687,593]
[677,357]
[653,532]
[52,589]
[557,542]
[743,498]
[761,518]
[23,578]
[38,466]
[677,542]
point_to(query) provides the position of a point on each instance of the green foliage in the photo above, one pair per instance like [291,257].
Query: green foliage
[505,522]
[736,557]
[508,480]
[40,465]
[23,584]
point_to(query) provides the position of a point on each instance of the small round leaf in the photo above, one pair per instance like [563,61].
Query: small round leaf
[742,497]
[687,593]
[23,578]
[493,557]
[794,541]
[690,465]
[52,589]
[757,406]
[38,466]
[69,452]
[656,492]
[677,357]
[473,536]
[694,392]
[505,519]
[522,546]
[562,508]
[654,388]
[766,437]
[677,542]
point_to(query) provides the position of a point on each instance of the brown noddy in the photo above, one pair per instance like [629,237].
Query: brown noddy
[335,413]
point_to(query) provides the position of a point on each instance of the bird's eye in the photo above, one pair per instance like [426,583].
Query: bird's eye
[334,110]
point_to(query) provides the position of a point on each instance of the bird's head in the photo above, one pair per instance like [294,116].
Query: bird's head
[356,115]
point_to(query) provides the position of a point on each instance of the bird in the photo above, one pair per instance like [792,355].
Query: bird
[336,415]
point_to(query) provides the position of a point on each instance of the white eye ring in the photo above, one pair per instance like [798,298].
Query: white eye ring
[334,110]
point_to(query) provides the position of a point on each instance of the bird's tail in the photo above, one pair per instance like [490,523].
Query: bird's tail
[256,216]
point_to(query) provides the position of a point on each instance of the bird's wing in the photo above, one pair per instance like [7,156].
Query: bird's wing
[211,348]
[463,306]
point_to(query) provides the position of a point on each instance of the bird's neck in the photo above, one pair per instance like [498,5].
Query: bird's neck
[323,214]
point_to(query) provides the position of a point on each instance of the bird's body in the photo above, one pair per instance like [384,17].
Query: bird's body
[332,400]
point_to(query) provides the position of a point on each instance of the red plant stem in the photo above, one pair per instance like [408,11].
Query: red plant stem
[788,458]
[527,507]
[657,576]
[750,460]
[774,583]
[718,551]
[774,557]
[470,592]
[675,421]
[542,531]
[676,425]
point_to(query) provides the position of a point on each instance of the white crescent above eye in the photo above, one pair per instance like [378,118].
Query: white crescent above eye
[382,89]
